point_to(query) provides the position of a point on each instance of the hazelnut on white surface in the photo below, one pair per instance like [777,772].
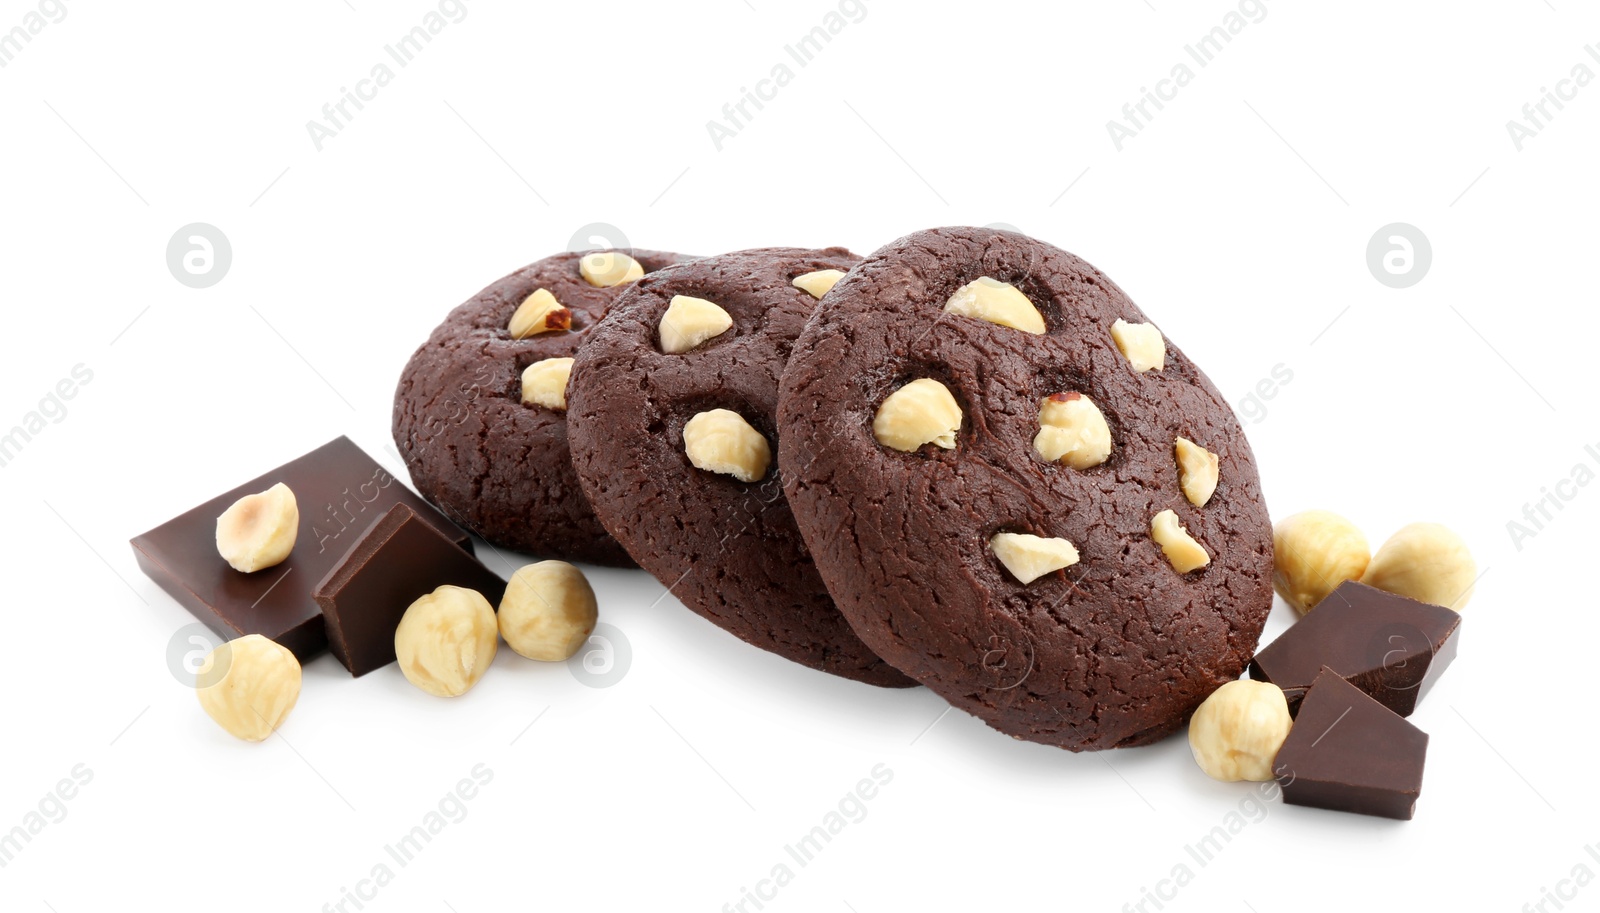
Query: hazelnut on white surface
[548,611]
[446,640]
[1427,562]
[259,531]
[1237,731]
[921,412]
[248,686]
[1312,553]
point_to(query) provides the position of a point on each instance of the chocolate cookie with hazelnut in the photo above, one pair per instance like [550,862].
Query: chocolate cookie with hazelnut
[480,411]
[671,420]
[1020,493]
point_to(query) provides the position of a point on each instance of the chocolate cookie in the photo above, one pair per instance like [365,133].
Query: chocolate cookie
[671,419]
[980,437]
[492,461]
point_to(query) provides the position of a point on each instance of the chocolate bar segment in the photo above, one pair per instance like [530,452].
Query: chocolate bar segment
[399,559]
[341,492]
[1391,647]
[1349,753]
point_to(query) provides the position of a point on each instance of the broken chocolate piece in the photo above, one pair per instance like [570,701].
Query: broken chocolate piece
[341,492]
[1391,647]
[1349,753]
[399,560]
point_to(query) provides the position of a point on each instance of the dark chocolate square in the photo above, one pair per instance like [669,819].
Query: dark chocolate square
[1349,753]
[340,492]
[398,560]
[1391,647]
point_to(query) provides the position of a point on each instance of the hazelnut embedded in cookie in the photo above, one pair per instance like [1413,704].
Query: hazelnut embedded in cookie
[690,322]
[1030,557]
[921,412]
[607,268]
[1181,549]
[1141,344]
[544,383]
[1073,430]
[1198,470]
[722,441]
[818,283]
[539,313]
[997,302]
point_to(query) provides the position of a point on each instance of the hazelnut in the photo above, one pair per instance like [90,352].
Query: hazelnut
[722,441]
[689,322]
[446,640]
[248,686]
[1072,429]
[819,282]
[1141,344]
[548,612]
[1237,731]
[997,302]
[1312,553]
[539,313]
[544,383]
[921,412]
[259,530]
[1197,471]
[1030,557]
[1426,562]
[607,268]
[1181,549]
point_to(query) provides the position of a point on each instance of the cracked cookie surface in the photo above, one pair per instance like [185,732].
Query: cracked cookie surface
[705,343]
[494,464]
[1108,644]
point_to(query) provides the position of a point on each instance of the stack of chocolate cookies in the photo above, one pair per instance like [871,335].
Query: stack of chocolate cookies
[966,461]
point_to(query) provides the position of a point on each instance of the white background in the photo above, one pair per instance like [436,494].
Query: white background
[1238,218]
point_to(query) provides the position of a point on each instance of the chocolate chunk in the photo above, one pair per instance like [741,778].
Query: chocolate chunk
[1391,647]
[399,559]
[1349,753]
[341,492]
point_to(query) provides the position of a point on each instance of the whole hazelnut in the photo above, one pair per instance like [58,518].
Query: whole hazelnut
[1426,562]
[548,612]
[1312,553]
[446,640]
[248,686]
[1238,730]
